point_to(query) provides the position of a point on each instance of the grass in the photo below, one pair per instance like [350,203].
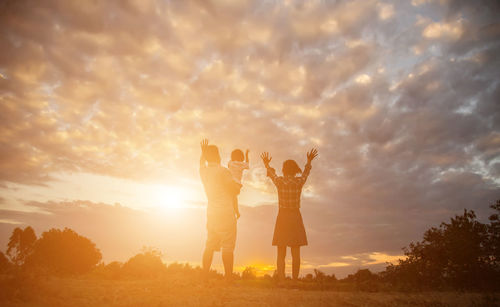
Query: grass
[177,290]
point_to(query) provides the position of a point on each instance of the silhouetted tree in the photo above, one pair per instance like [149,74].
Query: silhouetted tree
[4,263]
[21,244]
[459,254]
[64,252]
[494,235]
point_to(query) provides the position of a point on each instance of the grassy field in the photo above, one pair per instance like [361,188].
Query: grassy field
[180,291]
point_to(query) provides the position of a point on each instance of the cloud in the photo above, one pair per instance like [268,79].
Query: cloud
[438,30]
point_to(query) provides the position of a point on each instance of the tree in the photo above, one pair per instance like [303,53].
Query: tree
[4,263]
[494,235]
[21,244]
[64,252]
[458,254]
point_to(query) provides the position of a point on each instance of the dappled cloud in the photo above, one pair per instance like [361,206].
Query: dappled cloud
[400,98]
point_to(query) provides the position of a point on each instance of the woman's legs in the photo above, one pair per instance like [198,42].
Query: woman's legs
[280,262]
[295,261]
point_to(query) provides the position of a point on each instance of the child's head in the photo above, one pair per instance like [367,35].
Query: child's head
[291,168]
[237,155]
[212,154]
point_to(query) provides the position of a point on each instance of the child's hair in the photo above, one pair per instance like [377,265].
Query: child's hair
[212,154]
[237,155]
[290,168]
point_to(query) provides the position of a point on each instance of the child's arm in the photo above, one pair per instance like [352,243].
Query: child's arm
[271,173]
[310,156]
[266,158]
[233,188]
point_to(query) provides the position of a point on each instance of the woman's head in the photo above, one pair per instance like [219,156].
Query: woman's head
[212,154]
[290,168]
[237,155]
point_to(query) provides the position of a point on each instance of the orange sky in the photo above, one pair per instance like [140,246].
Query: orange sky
[103,105]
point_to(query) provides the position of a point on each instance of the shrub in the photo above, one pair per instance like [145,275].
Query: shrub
[249,273]
[111,270]
[144,265]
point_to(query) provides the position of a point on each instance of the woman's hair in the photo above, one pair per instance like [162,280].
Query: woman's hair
[290,168]
[212,154]
[237,155]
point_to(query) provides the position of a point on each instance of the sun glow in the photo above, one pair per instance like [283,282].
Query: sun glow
[167,197]
[261,269]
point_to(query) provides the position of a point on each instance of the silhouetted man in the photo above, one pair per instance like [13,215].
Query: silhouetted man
[221,217]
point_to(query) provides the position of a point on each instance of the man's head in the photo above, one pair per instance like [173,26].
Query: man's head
[212,154]
[291,168]
[237,155]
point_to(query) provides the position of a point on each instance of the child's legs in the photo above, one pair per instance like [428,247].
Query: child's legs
[235,205]
[235,201]
[295,261]
[280,261]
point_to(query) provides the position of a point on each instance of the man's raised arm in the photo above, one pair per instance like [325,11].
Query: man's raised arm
[203,160]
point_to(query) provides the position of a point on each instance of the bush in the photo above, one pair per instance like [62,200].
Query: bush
[111,270]
[144,265]
[249,273]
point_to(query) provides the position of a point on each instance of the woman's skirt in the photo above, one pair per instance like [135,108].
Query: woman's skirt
[289,229]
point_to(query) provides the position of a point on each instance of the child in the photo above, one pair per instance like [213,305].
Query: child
[236,167]
[289,229]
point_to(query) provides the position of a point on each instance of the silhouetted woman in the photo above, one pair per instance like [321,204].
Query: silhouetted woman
[289,229]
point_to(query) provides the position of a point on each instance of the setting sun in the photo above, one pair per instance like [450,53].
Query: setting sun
[165,197]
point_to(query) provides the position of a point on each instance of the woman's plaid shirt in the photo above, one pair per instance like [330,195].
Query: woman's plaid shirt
[289,188]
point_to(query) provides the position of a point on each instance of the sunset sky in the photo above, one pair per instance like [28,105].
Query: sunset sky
[103,105]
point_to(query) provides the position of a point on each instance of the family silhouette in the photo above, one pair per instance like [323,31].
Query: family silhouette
[222,186]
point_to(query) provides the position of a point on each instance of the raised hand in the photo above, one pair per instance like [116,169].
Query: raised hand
[266,158]
[311,155]
[204,145]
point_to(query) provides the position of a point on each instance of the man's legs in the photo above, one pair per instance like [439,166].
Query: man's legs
[280,262]
[227,260]
[208,255]
[295,261]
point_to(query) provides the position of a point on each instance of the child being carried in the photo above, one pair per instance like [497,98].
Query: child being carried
[236,167]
